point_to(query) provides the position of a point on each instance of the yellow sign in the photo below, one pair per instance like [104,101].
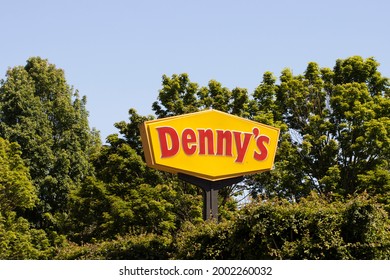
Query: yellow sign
[211,145]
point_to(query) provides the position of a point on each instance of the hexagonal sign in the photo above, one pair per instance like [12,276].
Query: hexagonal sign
[210,144]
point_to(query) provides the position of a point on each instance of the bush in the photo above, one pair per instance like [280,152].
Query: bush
[18,241]
[141,247]
[207,240]
[311,229]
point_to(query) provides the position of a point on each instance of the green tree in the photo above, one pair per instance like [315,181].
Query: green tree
[23,120]
[177,96]
[18,240]
[127,197]
[48,119]
[335,130]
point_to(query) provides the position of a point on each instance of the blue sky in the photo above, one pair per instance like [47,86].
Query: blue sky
[115,52]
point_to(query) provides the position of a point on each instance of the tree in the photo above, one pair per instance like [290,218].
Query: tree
[126,197]
[17,193]
[335,134]
[23,120]
[42,113]
[177,96]
[180,96]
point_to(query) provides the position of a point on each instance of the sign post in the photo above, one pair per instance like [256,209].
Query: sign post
[209,149]
[210,192]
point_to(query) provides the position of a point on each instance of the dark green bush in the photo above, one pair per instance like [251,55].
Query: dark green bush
[311,229]
[142,247]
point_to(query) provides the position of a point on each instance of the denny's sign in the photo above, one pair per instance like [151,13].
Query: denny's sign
[210,145]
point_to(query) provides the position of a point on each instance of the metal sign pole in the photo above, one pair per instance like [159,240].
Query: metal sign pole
[210,192]
[210,202]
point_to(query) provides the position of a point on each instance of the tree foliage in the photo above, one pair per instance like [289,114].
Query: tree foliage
[129,247]
[42,113]
[278,229]
[132,197]
[18,240]
[17,192]
[335,132]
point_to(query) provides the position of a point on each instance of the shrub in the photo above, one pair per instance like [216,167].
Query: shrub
[141,247]
[277,229]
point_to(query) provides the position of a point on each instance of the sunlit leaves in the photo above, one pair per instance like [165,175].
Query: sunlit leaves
[338,123]
[16,189]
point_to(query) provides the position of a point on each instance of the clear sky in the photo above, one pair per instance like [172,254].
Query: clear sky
[116,51]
